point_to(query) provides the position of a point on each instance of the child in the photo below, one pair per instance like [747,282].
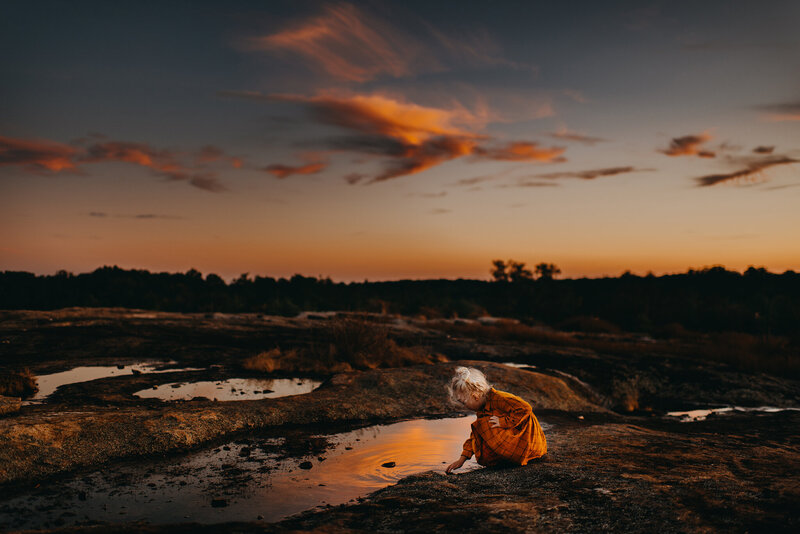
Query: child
[506,431]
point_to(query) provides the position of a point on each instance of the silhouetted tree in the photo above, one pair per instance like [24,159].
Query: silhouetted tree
[517,271]
[498,271]
[547,271]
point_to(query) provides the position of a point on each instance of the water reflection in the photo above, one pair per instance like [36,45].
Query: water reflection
[247,479]
[701,415]
[49,383]
[231,389]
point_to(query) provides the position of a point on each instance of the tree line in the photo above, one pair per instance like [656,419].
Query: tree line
[706,300]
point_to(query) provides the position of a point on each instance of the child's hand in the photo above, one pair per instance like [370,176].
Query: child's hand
[455,465]
[495,421]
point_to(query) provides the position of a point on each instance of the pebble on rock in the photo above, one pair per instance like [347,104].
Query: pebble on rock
[306,465]
[389,464]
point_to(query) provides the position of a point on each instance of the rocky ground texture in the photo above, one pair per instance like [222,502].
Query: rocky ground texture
[605,470]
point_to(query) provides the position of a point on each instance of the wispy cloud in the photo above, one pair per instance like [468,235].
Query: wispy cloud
[355,44]
[783,111]
[522,151]
[211,154]
[409,137]
[315,163]
[347,43]
[591,174]
[752,168]
[566,135]
[37,155]
[49,156]
[689,145]
[529,183]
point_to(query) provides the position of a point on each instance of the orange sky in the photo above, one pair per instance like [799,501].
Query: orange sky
[392,141]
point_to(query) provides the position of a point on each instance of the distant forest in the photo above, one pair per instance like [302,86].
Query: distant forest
[708,300]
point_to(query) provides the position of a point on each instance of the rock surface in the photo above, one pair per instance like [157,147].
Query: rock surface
[52,439]
[9,405]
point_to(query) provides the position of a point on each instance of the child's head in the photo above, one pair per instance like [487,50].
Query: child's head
[468,387]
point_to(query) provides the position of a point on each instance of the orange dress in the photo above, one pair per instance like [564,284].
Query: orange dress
[519,438]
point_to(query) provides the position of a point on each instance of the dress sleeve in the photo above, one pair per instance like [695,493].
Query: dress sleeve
[512,411]
[467,449]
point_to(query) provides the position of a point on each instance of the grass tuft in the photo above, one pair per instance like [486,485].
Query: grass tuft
[18,384]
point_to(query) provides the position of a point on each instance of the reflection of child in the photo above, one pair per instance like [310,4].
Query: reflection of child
[506,431]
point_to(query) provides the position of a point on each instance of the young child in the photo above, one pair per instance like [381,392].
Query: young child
[506,431]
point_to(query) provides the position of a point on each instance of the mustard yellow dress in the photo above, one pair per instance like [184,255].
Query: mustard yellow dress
[519,438]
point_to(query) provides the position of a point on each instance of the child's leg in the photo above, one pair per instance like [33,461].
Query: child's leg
[483,454]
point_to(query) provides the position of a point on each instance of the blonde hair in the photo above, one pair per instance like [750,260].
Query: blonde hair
[466,382]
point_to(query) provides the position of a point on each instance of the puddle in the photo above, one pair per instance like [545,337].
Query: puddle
[519,365]
[701,415]
[49,383]
[231,389]
[246,480]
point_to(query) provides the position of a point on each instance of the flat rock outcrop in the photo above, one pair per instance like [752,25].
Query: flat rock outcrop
[59,438]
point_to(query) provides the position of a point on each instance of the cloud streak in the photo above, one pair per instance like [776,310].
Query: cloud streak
[566,135]
[354,44]
[689,145]
[347,44]
[410,138]
[752,169]
[781,112]
[590,174]
[52,157]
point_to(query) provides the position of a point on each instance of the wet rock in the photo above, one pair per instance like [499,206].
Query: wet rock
[389,464]
[219,503]
[305,465]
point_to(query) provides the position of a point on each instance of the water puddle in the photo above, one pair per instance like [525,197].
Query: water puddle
[231,389]
[49,383]
[247,480]
[519,365]
[701,415]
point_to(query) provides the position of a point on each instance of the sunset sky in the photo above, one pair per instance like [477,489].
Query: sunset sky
[390,140]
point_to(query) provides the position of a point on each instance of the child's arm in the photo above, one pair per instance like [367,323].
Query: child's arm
[466,454]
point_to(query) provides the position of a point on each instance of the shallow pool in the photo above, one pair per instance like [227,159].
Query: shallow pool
[231,389]
[48,383]
[247,480]
[701,415]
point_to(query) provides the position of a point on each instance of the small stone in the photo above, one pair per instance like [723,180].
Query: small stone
[389,464]
[348,448]
[175,386]
[245,451]
[226,448]
[306,465]
[219,503]
[120,367]
[260,517]
[321,458]
[580,417]
[136,371]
